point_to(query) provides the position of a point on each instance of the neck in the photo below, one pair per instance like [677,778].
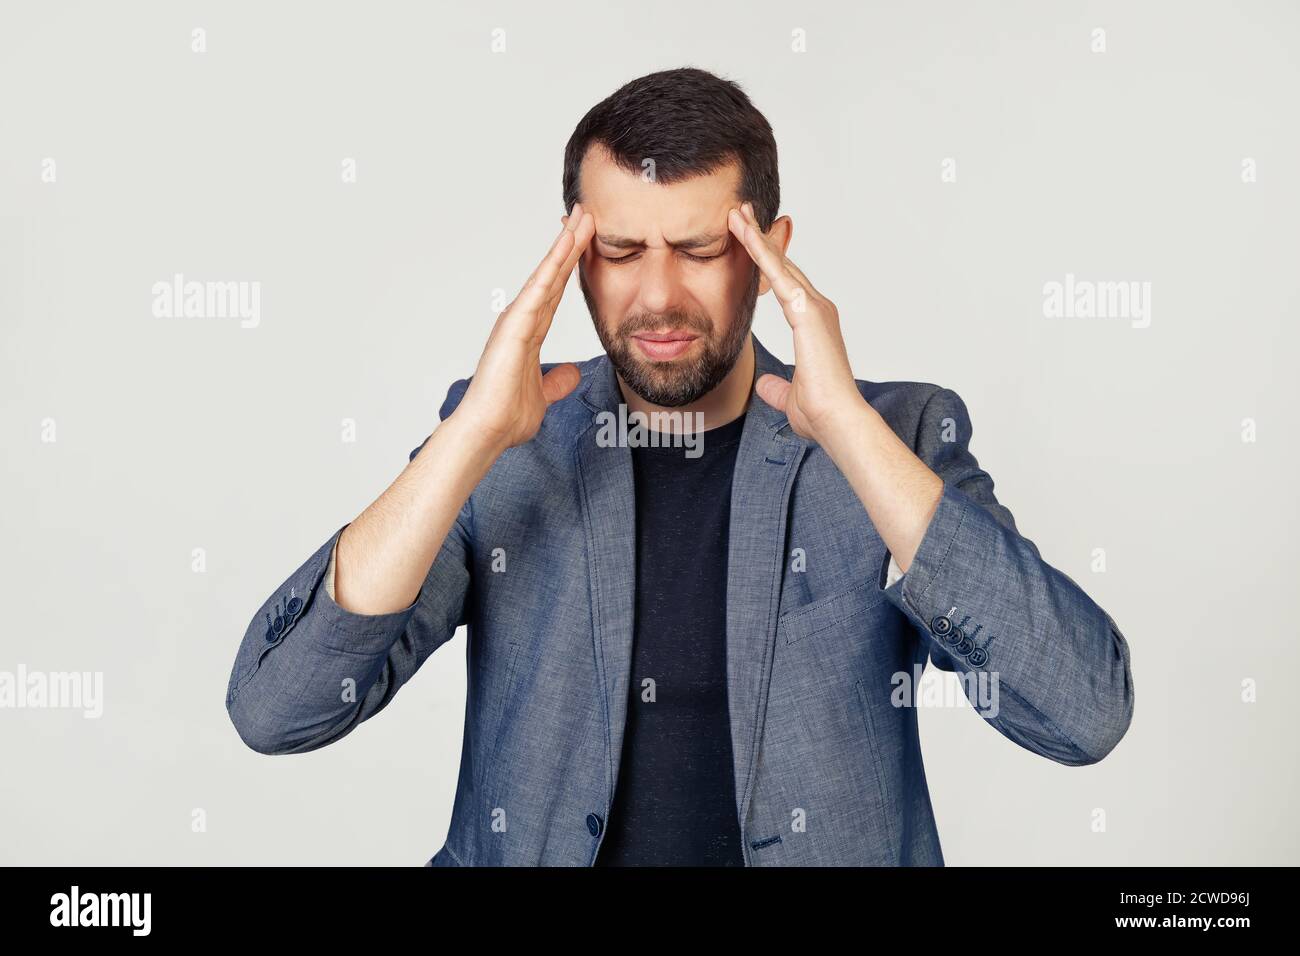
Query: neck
[725,403]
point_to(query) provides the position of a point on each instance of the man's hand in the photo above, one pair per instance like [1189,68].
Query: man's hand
[823,394]
[822,403]
[508,395]
[384,556]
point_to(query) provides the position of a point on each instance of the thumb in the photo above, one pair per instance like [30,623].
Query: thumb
[773,389]
[560,381]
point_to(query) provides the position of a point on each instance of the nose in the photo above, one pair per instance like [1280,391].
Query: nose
[661,288]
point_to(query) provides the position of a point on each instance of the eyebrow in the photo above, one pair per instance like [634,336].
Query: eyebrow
[693,242]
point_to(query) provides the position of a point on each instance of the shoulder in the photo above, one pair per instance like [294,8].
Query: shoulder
[456,391]
[907,407]
[564,410]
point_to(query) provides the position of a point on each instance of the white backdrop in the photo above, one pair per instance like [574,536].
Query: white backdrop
[133,439]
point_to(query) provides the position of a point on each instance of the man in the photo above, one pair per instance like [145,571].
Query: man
[685,643]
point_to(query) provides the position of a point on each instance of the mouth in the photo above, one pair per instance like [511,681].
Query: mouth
[664,345]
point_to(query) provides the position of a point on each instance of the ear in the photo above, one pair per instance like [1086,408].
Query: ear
[781,231]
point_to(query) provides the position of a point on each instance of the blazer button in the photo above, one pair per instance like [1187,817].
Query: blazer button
[270,634]
[593,824]
[294,606]
[955,636]
[965,647]
[940,626]
[978,657]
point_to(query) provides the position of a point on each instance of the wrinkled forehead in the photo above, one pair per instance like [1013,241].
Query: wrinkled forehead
[635,206]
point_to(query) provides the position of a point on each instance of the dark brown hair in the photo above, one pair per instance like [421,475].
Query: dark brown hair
[690,123]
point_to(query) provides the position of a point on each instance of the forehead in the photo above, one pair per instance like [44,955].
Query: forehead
[628,204]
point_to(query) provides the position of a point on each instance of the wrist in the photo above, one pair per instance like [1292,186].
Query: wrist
[466,436]
[849,425]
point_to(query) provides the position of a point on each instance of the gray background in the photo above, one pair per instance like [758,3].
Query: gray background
[175,434]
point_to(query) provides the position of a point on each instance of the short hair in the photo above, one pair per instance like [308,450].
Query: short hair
[691,123]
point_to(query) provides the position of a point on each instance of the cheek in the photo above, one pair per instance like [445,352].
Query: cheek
[611,289]
[717,293]
[733,281]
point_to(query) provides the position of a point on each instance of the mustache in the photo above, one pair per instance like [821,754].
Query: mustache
[645,322]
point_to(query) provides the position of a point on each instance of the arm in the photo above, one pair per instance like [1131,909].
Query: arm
[977,591]
[982,599]
[309,670]
[318,659]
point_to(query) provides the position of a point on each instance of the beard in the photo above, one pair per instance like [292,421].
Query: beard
[675,382]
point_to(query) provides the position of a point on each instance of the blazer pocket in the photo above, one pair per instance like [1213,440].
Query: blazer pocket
[496,677]
[881,777]
[828,611]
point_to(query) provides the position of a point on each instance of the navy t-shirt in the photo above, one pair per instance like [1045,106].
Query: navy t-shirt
[675,799]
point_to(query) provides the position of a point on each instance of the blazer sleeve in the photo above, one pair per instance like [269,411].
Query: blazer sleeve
[984,601]
[307,672]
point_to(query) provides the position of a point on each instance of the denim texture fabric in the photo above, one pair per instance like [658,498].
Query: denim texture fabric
[828,770]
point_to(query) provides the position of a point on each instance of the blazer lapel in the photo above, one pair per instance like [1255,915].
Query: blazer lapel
[608,495]
[766,462]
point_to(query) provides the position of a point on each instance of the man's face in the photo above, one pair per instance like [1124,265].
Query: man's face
[670,289]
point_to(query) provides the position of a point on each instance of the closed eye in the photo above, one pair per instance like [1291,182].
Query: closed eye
[634,255]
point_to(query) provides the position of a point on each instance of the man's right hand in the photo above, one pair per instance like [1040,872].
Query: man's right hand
[383,557]
[508,395]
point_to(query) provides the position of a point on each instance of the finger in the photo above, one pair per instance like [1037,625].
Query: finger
[582,226]
[784,285]
[747,210]
[583,233]
[544,275]
[538,288]
[796,273]
[773,389]
[560,381]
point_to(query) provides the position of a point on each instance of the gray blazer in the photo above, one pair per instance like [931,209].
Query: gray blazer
[820,652]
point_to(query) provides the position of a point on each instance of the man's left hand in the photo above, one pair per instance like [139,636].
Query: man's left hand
[822,397]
